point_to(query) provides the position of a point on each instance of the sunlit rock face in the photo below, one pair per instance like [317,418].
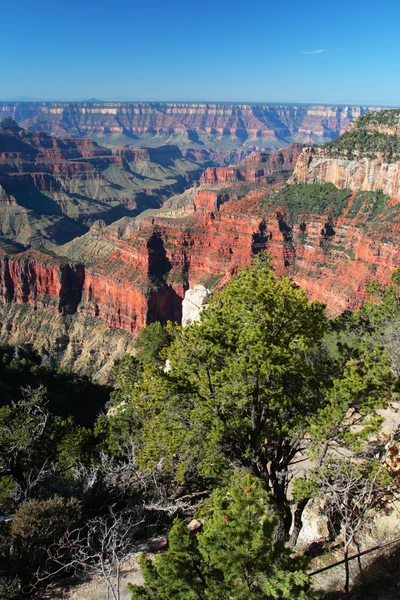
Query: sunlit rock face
[89,298]
[194,302]
[315,166]
[188,123]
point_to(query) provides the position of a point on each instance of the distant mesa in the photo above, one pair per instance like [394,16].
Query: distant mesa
[202,125]
[61,185]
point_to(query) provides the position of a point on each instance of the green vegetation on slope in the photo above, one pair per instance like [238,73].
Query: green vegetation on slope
[234,556]
[371,205]
[365,138]
[263,381]
[389,118]
[360,143]
[303,199]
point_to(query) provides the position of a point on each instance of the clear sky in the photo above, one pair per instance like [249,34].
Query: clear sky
[252,51]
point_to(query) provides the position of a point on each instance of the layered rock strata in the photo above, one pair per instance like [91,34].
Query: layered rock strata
[317,166]
[138,271]
[246,124]
[120,277]
[257,167]
[73,182]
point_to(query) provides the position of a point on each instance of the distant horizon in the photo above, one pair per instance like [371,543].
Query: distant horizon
[208,101]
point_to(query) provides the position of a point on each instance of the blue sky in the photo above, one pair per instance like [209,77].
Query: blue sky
[251,51]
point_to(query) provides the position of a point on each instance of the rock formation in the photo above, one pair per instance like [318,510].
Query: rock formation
[194,302]
[69,183]
[367,157]
[316,166]
[266,126]
[257,167]
[117,278]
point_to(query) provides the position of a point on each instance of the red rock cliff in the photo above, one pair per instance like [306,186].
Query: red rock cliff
[28,278]
[144,267]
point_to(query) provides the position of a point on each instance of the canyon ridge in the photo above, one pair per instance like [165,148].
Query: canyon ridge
[326,215]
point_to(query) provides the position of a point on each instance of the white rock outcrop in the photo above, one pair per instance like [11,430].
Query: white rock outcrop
[315,524]
[194,302]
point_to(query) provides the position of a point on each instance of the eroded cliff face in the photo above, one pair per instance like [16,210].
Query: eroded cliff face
[77,180]
[28,278]
[257,167]
[117,278]
[83,318]
[77,342]
[316,166]
[137,271]
[258,125]
[366,157]
[331,257]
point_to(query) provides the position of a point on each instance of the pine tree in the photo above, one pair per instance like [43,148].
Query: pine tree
[234,557]
[240,385]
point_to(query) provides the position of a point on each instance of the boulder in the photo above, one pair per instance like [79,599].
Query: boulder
[195,525]
[194,302]
[315,525]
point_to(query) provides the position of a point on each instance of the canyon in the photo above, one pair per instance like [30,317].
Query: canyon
[84,301]
[201,125]
[53,189]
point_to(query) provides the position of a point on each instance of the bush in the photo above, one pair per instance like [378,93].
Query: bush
[38,524]
[235,556]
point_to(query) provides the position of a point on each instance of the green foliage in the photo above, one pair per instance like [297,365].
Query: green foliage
[383,306]
[33,442]
[310,199]
[150,343]
[350,415]
[152,340]
[234,556]
[119,431]
[389,117]
[127,372]
[259,377]
[370,205]
[366,144]
[365,139]
[240,385]
[395,277]
[373,288]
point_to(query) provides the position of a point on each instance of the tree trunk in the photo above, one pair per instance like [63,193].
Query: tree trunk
[347,570]
[297,521]
[359,560]
[283,526]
